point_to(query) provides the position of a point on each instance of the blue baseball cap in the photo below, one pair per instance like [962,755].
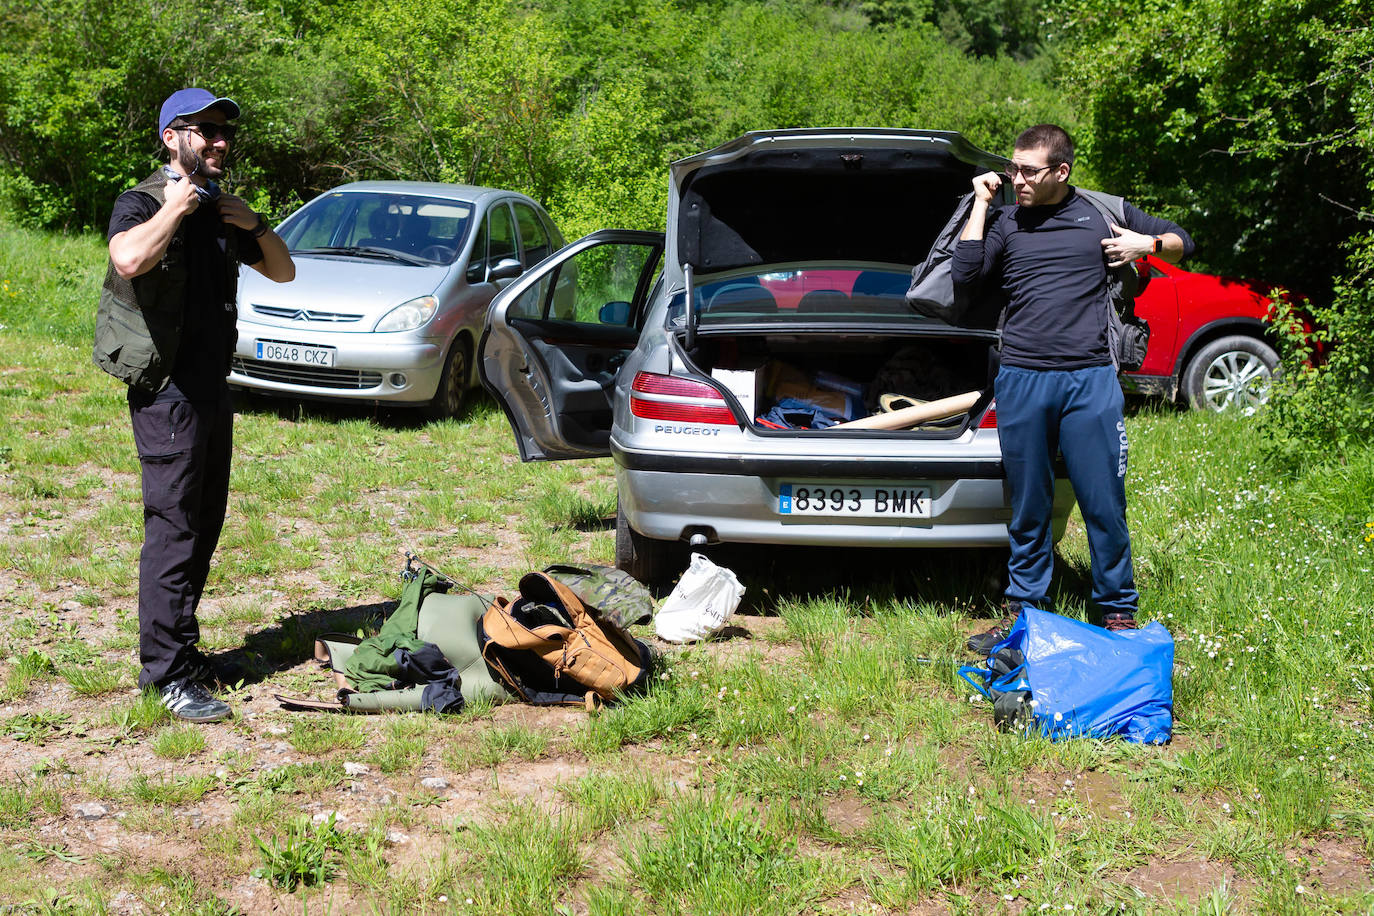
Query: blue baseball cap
[189,101]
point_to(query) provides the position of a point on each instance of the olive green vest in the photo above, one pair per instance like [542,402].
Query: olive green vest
[138,323]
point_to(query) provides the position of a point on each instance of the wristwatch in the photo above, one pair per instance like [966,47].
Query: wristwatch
[1159,244]
[262,228]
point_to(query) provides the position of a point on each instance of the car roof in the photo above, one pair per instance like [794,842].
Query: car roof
[465,192]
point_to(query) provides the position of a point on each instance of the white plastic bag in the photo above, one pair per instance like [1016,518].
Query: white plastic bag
[700,604]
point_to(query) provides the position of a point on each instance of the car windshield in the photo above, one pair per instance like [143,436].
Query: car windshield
[406,228]
[811,293]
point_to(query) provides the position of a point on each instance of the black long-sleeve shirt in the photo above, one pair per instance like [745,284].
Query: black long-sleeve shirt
[1049,262]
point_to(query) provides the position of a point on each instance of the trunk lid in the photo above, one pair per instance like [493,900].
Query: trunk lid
[831,194]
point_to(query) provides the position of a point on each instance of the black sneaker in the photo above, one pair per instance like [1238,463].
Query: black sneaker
[1119,621]
[188,700]
[207,669]
[982,643]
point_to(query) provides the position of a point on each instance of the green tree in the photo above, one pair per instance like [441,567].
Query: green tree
[613,173]
[1253,124]
[81,83]
[1234,117]
[454,90]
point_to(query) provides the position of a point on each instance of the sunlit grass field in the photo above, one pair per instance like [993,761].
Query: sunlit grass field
[826,760]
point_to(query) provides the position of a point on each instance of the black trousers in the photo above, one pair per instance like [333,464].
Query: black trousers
[184,448]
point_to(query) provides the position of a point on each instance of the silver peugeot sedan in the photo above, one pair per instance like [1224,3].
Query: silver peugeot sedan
[393,280]
[716,362]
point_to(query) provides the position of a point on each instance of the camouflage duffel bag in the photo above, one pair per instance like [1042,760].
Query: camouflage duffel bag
[611,593]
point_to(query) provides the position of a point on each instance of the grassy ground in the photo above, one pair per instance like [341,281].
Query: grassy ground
[824,759]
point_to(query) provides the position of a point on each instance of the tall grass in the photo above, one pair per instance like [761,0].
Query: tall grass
[49,283]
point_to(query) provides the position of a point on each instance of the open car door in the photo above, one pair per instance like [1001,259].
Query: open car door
[555,338]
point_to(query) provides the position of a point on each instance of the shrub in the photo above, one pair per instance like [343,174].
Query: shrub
[1322,408]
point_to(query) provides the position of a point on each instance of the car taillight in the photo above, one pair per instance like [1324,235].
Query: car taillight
[989,420]
[667,397]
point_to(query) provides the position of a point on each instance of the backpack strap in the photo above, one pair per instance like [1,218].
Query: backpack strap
[1122,282]
[1128,335]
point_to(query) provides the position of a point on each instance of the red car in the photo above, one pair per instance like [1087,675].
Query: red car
[1207,339]
[1207,333]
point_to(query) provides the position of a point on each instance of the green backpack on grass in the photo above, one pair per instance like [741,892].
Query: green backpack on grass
[366,670]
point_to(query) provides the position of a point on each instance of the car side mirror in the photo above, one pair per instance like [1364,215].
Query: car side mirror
[617,313]
[505,269]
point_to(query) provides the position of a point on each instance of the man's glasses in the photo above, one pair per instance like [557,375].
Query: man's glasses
[1025,171]
[210,130]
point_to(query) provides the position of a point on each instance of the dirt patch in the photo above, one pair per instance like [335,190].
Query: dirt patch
[851,900]
[955,761]
[1183,879]
[1338,866]
[560,719]
[747,637]
[538,781]
[848,815]
[418,849]
[1102,794]
[682,774]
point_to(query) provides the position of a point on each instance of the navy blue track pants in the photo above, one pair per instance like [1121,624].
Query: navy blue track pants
[184,449]
[1076,412]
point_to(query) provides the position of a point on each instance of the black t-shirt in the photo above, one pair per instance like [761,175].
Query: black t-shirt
[1050,264]
[207,326]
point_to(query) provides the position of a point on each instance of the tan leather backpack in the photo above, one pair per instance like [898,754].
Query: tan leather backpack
[553,650]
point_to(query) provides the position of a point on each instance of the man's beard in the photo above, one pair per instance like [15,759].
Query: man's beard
[192,164]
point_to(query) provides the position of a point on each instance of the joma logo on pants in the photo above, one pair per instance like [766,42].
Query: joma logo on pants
[1121,436]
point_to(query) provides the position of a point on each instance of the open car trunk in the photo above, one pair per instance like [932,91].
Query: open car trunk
[795,383]
[796,248]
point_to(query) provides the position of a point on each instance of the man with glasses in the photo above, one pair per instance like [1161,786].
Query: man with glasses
[1057,389]
[166,327]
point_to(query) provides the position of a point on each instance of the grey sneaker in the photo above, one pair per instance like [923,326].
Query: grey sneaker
[190,701]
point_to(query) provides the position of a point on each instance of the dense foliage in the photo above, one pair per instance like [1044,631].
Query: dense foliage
[1252,123]
[581,104]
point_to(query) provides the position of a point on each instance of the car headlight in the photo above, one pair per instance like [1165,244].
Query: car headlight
[408,315]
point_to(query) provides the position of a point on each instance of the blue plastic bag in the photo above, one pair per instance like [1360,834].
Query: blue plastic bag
[1089,682]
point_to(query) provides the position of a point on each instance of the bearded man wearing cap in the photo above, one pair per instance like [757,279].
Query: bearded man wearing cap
[166,327]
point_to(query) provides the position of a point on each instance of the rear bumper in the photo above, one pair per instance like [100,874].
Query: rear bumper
[847,468]
[987,467]
[741,508]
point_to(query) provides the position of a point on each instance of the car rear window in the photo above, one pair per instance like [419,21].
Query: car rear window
[803,294]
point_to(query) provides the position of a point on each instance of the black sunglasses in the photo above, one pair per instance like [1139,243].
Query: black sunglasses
[210,130]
